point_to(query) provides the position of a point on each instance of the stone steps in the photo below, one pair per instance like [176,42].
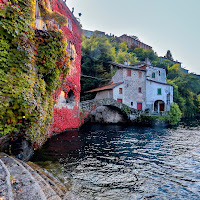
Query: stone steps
[5,182]
[46,178]
[19,181]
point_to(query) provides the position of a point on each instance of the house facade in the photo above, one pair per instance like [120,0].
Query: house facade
[140,86]
[134,41]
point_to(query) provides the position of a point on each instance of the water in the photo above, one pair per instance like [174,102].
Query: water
[127,163]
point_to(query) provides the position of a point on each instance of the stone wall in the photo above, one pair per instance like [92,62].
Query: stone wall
[88,106]
[131,88]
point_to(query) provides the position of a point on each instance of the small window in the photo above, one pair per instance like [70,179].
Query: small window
[120,90]
[131,103]
[69,24]
[128,72]
[68,47]
[140,90]
[159,91]
[153,75]
[168,99]
[159,73]
[37,13]
[140,74]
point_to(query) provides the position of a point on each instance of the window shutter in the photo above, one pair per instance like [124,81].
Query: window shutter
[159,91]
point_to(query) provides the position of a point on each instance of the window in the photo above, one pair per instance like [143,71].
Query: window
[159,91]
[153,75]
[70,50]
[128,72]
[69,24]
[68,47]
[140,74]
[140,90]
[37,13]
[131,103]
[119,100]
[120,90]
[168,99]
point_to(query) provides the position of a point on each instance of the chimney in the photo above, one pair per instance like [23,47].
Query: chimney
[125,62]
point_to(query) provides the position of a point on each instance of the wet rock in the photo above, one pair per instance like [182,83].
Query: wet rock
[18,146]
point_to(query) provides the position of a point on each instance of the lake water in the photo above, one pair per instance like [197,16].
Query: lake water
[126,163]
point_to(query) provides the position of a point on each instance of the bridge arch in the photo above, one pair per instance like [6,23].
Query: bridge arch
[89,106]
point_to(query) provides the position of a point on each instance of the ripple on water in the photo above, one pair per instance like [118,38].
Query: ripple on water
[117,163]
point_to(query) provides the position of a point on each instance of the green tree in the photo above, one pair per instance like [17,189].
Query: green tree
[174,114]
[169,55]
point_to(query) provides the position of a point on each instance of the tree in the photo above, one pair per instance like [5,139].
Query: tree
[174,114]
[169,55]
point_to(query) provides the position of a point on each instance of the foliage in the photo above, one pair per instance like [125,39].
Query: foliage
[47,14]
[96,54]
[174,115]
[126,109]
[142,54]
[97,51]
[31,66]
[169,55]
[186,89]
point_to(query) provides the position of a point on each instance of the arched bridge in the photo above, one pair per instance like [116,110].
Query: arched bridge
[88,106]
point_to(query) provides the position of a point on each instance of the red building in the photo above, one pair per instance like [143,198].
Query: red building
[66,106]
[66,109]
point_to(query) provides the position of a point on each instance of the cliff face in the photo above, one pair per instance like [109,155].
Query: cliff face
[37,64]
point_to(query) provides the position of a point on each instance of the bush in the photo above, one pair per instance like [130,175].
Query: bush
[174,115]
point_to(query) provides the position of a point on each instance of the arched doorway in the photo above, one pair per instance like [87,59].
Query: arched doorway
[159,106]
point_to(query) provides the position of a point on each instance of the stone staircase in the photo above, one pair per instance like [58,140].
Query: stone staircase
[22,181]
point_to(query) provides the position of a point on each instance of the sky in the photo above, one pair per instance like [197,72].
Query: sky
[165,25]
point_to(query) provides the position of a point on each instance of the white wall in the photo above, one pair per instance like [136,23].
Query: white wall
[152,94]
[116,94]
[159,78]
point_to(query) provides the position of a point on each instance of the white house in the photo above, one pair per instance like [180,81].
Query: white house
[140,86]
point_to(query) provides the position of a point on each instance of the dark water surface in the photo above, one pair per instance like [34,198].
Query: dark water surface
[127,163]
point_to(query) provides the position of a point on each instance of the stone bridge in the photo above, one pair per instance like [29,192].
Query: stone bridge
[88,106]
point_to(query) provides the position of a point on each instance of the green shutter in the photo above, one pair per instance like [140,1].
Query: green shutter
[159,91]
[153,75]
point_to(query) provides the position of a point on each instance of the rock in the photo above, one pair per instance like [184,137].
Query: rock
[22,181]
[18,146]
[104,114]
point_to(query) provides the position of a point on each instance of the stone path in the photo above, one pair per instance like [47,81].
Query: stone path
[20,181]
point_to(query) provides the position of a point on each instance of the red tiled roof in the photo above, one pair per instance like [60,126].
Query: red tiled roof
[106,87]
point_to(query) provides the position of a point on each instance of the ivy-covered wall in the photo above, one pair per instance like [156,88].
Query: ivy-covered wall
[68,118]
[34,69]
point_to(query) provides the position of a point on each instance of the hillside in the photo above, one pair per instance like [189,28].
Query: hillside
[98,51]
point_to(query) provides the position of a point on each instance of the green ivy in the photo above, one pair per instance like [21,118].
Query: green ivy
[32,63]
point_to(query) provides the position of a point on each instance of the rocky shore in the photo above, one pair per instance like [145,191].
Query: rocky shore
[27,181]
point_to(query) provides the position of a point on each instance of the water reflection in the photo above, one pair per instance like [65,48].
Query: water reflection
[115,162]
